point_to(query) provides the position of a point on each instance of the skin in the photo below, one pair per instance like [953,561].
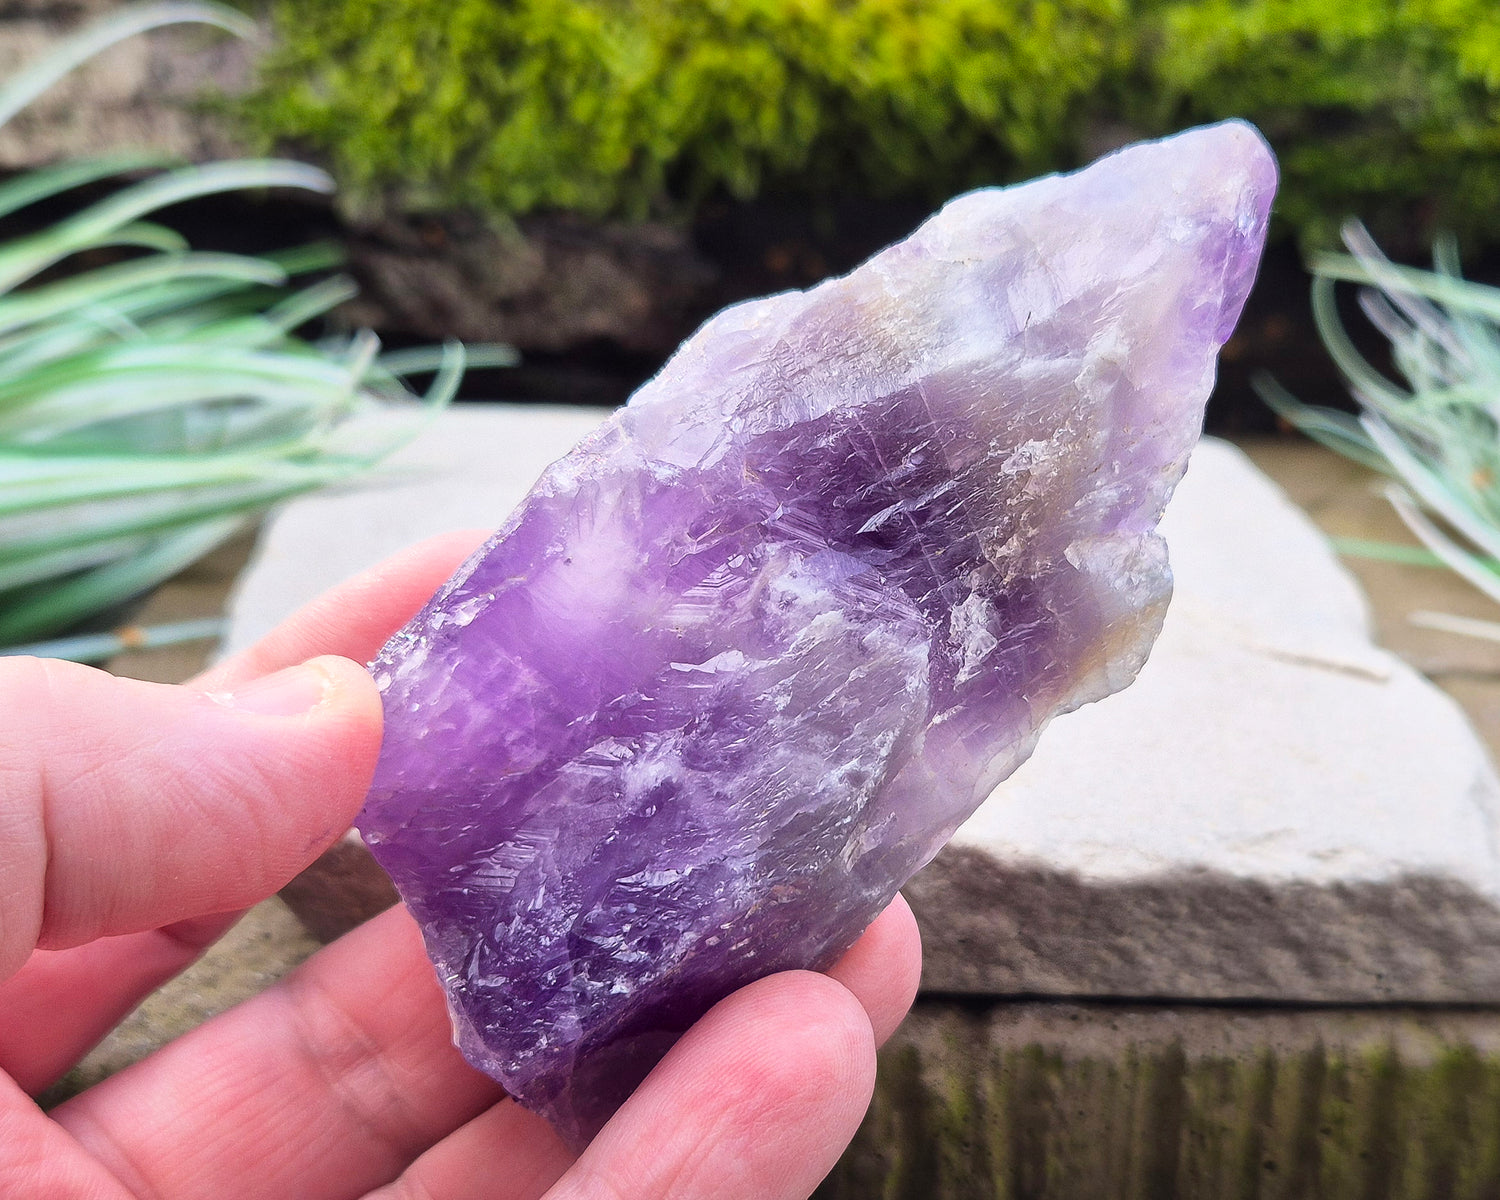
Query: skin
[138,820]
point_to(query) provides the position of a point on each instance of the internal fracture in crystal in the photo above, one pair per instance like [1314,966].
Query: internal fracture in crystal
[745,658]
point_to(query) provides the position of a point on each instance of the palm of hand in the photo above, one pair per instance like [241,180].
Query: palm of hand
[137,820]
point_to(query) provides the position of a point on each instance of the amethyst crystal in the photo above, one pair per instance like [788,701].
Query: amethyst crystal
[745,658]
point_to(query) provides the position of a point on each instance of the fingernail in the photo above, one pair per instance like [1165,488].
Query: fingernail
[287,693]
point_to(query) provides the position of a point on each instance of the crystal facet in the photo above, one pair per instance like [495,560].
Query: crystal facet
[745,658]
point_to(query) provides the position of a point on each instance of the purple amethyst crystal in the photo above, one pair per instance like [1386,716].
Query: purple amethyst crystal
[744,659]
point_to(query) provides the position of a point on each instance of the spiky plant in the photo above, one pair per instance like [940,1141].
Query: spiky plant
[1438,437]
[152,407]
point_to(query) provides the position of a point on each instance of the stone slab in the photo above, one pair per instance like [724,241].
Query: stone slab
[1277,810]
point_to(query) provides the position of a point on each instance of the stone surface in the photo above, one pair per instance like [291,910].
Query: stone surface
[1304,817]
[743,659]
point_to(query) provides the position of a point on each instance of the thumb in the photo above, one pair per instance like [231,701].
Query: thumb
[127,805]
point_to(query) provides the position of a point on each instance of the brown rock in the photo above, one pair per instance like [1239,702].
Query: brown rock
[549,284]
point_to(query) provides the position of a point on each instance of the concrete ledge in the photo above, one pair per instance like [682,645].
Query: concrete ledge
[989,929]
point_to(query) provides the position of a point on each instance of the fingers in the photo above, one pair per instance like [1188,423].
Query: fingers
[62,1002]
[884,967]
[505,1153]
[756,1102]
[129,805]
[39,1159]
[328,1084]
[338,1079]
[355,618]
[880,972]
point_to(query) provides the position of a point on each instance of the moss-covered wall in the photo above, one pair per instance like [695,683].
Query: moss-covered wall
[1385,108]
[1073,1102]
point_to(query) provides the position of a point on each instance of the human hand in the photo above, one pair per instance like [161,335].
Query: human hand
[137,820]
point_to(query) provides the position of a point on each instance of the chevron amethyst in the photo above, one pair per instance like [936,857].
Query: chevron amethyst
[744,659]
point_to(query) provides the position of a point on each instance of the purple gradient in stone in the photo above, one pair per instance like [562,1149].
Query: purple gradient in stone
[744,659]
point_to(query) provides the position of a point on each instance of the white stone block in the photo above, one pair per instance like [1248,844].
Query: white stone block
[1275,809]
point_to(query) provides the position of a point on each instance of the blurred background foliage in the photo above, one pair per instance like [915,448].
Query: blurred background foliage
[1385,108]
[619,108]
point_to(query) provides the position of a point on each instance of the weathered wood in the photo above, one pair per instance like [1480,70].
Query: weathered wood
[1074,1102]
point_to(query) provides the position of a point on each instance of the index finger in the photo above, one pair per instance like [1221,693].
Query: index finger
[352,621]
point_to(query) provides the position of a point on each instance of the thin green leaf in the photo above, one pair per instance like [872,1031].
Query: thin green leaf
[1446,290]
[100,223]
[22,570]
[1432,489]
[301,260]
[420,359]
[1406,556]
[1336,430]
[106,284]
[81,525]
[44,609]
[96,647]
[1373,388]
[41,482]
[1476,570]
[45,182]
[311,302]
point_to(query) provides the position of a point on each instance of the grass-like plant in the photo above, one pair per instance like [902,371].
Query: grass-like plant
[1438,436]
[151,407]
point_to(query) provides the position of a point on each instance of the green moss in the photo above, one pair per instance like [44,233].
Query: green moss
[1386,108]
[1157,1123]
[602,106]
